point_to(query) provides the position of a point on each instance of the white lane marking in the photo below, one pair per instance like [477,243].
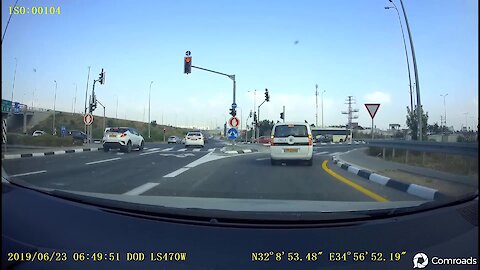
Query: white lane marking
[321,153]
[153,149]
[167,149]
[148,153]
[177,172]
[141,189]
[334,154]
[206,158]
[211,149]
[182,150]
[196,150]
[29,173]
[101,161]
[265,158]
[120,153]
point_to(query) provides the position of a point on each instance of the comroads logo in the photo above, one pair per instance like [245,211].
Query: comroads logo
[420,261]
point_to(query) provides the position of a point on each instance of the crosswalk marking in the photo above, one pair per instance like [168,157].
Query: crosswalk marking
[152,149]
[182,150]
[196,150]
[167,149]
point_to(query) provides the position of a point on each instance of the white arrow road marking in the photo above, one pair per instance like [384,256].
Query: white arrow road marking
[141,189]
[29,173]
[206,158]
[148,153]
[101,161]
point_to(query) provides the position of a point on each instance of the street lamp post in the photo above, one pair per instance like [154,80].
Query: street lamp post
[316,105]
[322,106]
[417,83]
[254,106]
[406,54]
[54,130]
[86,91]
[14,75]
[74,99]
[445,113]
[149,94]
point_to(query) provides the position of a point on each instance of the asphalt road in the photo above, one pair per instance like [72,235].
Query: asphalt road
[173,170]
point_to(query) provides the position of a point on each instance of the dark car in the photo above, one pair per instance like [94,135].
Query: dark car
[78,135]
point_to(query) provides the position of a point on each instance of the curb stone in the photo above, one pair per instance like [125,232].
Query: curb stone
[413,189]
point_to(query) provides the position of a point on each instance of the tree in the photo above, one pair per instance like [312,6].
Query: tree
[265,127]
[412,123]
[433,129]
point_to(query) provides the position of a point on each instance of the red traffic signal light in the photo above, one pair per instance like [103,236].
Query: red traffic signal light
[187,66]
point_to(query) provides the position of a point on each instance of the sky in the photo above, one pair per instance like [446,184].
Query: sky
[347,48]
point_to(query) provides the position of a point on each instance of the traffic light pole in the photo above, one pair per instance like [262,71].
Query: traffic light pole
[258,118]
[232,77]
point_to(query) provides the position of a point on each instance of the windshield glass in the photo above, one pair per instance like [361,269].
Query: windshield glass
[315,106]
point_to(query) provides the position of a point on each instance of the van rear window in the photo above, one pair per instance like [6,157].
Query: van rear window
[291,130]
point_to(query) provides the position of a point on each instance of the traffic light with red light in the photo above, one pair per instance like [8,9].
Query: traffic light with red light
[187,67]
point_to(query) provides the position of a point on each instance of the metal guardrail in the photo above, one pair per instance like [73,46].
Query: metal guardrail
[463,149]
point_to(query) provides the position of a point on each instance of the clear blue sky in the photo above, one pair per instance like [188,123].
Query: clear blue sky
[346,47]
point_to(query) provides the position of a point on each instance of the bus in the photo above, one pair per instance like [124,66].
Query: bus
[331,135]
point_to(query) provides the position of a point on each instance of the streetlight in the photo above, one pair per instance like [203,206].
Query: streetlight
[149,94]
[406,54]
[14,75]
[322,106]
[254,106]
[417,83]
[74,99]
[445,111]
[54,101]
[316,105]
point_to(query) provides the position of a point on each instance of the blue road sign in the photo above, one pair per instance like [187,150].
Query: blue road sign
[232,133]
[63,130]
[234,105]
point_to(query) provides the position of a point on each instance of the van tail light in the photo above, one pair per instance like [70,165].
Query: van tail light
[271,140]
[123,135]
[310,141]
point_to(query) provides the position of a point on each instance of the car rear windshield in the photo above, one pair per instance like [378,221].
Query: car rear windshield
[117,130]
[194,134]
[291,130]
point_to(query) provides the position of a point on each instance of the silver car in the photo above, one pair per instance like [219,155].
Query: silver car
[172,139]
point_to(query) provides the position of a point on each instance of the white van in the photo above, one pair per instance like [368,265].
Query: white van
[291,141]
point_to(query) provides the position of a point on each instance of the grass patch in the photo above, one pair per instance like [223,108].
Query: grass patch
[44,140]
[455,164]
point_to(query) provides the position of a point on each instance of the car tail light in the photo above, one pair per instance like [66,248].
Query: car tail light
[123,135]
[271,140]
[310,141]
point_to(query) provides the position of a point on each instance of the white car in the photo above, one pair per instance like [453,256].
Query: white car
[123,138]
[37,133]
[194,138]
[172,139]
[291,141]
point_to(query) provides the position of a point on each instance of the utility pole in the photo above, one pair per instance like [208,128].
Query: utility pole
[322,107]
[14,75]
[86,91]
[149,95]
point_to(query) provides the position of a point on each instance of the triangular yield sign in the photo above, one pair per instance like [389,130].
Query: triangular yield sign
[372,108]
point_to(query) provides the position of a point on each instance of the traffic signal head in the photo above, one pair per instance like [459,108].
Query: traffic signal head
[233,112]
[187,66]
[102,77]
[267,96]
[282,116]
[255,117]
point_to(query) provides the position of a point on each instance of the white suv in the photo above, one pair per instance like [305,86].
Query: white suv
[291,141]
[123,138]
[194,138]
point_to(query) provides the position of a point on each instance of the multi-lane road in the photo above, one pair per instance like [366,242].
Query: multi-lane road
[173,170]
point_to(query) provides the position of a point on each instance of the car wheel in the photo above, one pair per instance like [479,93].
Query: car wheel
[310,162]
[141,146]
[128,147]
[105,149]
